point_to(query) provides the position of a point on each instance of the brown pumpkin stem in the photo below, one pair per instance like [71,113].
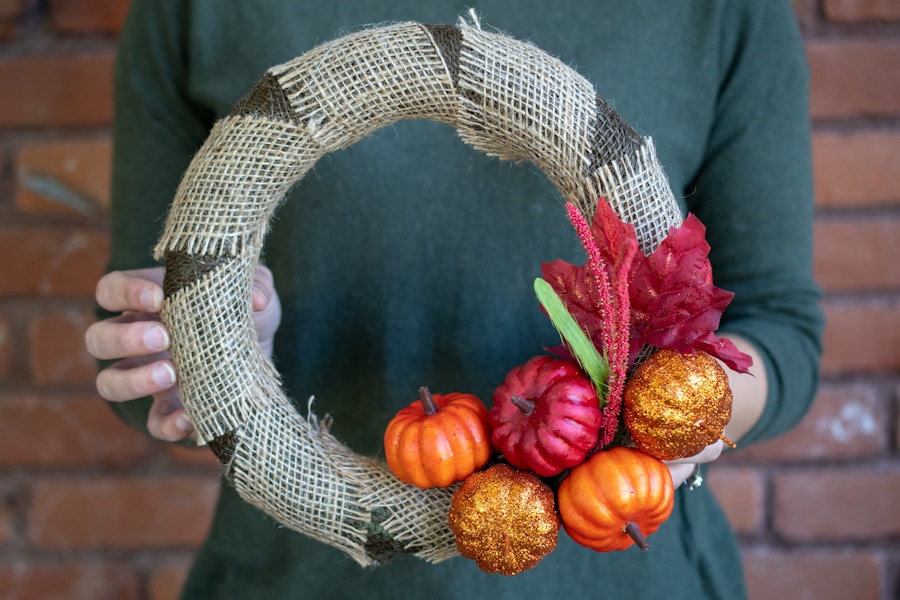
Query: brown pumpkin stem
[634,532]
[428,404]
[700,423]
[524,404]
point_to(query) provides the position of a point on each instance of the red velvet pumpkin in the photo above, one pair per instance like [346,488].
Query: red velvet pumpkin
[616,498]
[546,416]
[438,440]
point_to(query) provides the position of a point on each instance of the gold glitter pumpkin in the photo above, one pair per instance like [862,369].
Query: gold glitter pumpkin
[504,519]
[676,404]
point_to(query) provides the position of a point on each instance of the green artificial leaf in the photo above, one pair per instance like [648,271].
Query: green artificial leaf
[584,351]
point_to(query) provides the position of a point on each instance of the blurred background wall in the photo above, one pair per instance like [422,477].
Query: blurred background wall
[91,509]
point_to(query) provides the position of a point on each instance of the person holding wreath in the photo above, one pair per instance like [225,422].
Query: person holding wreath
[408,258]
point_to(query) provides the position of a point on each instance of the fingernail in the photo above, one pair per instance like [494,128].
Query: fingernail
[259,297]
[156,338]
[182,423]
[152,299]
[163,374]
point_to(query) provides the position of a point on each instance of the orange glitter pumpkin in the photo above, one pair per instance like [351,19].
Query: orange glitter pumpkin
[438,440]
[676,404]
[504,519]
[616,498]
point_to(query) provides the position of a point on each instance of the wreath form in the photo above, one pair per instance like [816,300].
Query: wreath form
[506,98]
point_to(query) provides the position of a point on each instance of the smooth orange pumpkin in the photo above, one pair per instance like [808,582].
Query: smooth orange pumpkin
[438,440]
[615,499]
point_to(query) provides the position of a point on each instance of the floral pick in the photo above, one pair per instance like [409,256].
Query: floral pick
[610,280]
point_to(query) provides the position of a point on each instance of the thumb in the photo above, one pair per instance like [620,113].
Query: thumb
[266,308]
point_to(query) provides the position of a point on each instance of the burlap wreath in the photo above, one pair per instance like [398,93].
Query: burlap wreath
[504,97]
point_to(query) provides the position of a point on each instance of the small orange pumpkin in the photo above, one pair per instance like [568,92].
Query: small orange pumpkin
[616,498]
[438,440]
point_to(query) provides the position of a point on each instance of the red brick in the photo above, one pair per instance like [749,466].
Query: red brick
[56,349]
[858,255]
[822,575]
[837,504]
[71,177]
[6,524]
[844,422]
[857,169]
[6,349]
[897,412]
[77,580]
[862,10]
[51,262]
[57,431]
[111,513]
[87,16]
[861,337]
[741,492]
[10,13]
[56,90]
[854,77]
[167,581]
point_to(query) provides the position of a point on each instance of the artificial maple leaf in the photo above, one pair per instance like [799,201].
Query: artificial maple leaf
[725,350]
[615,239]
[673,303]
[582,298]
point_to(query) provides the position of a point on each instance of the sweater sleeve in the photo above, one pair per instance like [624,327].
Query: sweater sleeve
[754,192]
[156,131]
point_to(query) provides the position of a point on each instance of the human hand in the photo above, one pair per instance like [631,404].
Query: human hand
[682,468]
[141,341]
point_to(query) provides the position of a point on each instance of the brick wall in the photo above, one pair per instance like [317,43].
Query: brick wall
[91,509]
[817,510]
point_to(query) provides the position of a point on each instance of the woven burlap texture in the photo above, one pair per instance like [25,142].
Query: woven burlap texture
[506,98]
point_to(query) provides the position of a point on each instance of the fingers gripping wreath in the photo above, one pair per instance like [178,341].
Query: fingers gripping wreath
[504,97]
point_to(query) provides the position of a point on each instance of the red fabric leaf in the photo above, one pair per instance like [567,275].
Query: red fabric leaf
[616,240]
[725,350]
[673,303]
[579,295]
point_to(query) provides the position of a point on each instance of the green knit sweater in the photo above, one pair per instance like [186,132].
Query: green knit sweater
[408,259]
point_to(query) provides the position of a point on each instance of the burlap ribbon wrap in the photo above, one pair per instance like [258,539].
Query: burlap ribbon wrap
[506,98]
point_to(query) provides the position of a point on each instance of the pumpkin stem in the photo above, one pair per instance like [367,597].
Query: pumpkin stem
[700,423]
[634,532]
[428,404]
[524,404]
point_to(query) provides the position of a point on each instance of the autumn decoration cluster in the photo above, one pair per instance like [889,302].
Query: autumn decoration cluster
[577,436]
